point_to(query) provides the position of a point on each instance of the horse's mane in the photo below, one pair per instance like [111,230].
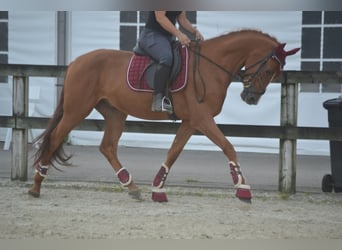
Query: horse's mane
[244,31]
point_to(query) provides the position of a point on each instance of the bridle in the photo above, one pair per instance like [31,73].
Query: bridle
[240,76]
[248,83]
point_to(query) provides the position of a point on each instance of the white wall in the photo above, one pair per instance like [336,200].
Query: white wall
[90,31]
[32,40]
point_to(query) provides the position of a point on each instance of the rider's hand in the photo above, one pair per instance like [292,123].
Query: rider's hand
[199,35]
[184,39]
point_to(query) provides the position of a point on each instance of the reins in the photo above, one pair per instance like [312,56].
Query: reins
[196,67]
[238,76]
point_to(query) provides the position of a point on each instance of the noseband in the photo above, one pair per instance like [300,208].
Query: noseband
[240,76]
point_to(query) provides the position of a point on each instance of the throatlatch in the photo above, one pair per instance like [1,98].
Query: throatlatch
[158,192]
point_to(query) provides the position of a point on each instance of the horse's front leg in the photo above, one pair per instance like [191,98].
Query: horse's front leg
[209,128]
[183,134]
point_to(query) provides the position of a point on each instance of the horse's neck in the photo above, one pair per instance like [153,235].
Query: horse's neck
[232,51]
[227,53]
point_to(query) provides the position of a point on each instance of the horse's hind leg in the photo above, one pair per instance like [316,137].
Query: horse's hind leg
[183,134]
[56,140]
[114,126]
[65,118]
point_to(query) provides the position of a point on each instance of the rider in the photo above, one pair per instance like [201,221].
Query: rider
[156,38]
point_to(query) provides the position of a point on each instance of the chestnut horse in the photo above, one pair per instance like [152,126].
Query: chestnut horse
[98,80]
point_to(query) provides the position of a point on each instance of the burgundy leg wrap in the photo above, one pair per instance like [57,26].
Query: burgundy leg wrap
[158,193]
[236,173]
[160,178]
[159,197]
[124,177]
[243,192]
[42,170]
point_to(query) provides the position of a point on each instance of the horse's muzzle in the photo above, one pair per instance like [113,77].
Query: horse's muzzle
[251,98]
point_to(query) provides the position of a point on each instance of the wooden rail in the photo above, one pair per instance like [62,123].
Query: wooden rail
[287,132]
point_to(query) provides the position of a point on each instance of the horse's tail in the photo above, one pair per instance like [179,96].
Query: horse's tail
[44,140]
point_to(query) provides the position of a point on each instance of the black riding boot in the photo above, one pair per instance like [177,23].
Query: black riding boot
[160,102]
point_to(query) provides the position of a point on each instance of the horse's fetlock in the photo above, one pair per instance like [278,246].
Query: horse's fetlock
[41,170]
[160,178]
[124,177]
[237,175]
[158,192]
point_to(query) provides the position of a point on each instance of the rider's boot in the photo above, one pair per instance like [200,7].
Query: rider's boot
[160,102]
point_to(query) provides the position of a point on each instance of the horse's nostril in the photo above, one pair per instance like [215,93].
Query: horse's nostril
[252,100]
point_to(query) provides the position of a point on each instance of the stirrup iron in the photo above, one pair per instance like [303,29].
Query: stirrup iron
[167,105]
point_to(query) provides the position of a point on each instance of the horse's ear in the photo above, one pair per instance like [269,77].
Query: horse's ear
[281,54]
[280,48]
[292,51]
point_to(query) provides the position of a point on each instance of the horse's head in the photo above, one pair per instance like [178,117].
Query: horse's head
[261,70]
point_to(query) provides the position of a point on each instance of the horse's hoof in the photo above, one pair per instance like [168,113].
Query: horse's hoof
[34,194]
[159,197]
[136,195]
[248,201]
[243,192]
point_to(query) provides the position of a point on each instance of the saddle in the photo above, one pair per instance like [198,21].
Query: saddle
[142,67]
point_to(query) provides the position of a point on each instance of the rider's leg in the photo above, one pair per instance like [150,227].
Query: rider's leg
[160,83]
[159,48]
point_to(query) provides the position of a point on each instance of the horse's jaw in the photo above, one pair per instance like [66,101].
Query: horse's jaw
[250,98]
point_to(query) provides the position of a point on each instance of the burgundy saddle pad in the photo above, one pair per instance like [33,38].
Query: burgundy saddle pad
[136,78]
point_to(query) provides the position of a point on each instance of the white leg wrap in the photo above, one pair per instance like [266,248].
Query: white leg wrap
[158,190]
[243,186]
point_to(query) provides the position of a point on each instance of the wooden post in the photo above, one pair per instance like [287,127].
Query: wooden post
[288,147]
[63,44]
[19,135]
